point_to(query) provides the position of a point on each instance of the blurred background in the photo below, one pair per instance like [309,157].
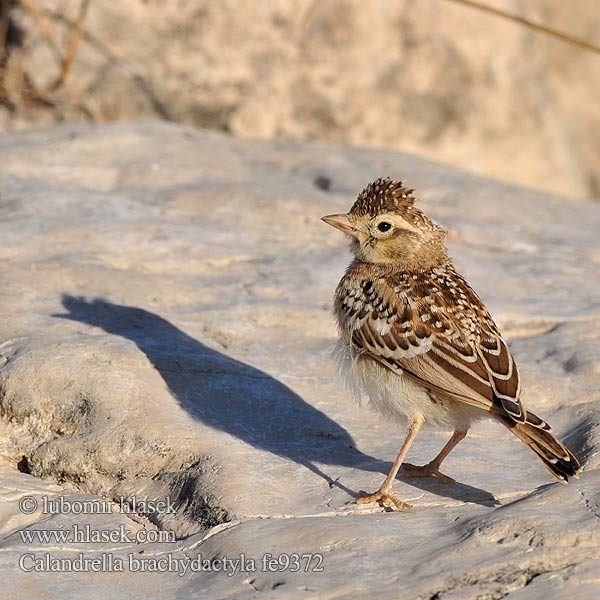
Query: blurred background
[439,78]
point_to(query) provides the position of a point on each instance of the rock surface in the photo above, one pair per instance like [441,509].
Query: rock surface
[166,333]
[426,76]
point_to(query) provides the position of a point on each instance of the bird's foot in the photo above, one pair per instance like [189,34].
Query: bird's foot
[383,497]
[428,470]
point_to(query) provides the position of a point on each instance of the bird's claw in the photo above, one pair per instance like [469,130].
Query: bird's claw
[383,498]
[425,471]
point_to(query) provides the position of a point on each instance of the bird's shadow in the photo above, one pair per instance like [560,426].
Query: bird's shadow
[242,400]
[454,490]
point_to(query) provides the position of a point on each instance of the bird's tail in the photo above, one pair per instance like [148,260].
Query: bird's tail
[536,435]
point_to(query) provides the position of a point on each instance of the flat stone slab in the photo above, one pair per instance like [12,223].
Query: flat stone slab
[166,334]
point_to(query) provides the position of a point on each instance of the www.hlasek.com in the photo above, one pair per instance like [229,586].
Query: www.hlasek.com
[85,534]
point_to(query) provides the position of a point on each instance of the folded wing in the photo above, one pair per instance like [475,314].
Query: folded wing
[449,347]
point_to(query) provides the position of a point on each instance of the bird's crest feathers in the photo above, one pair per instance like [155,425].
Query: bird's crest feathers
[383,195]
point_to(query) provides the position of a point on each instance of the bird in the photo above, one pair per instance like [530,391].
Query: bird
[416,339]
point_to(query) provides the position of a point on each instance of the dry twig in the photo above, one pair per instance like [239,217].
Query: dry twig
[36,13]
[71,52]
[4,8]
[565,37]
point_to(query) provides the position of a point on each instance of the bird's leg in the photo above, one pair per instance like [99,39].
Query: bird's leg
[433,468]
[386,492]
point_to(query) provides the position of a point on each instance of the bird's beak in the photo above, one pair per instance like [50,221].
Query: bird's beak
[341,222]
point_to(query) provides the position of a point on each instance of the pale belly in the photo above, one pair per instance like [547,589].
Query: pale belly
[398,398]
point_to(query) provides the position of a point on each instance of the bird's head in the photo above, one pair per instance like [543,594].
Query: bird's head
[386,228]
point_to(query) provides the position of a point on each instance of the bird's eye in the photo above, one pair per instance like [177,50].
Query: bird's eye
[384,226]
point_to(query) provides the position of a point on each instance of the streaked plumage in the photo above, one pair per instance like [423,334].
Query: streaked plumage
[417,340]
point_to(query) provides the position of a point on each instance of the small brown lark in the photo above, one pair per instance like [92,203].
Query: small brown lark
[419,342]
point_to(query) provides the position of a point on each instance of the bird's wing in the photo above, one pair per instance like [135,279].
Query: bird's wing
[451,347]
